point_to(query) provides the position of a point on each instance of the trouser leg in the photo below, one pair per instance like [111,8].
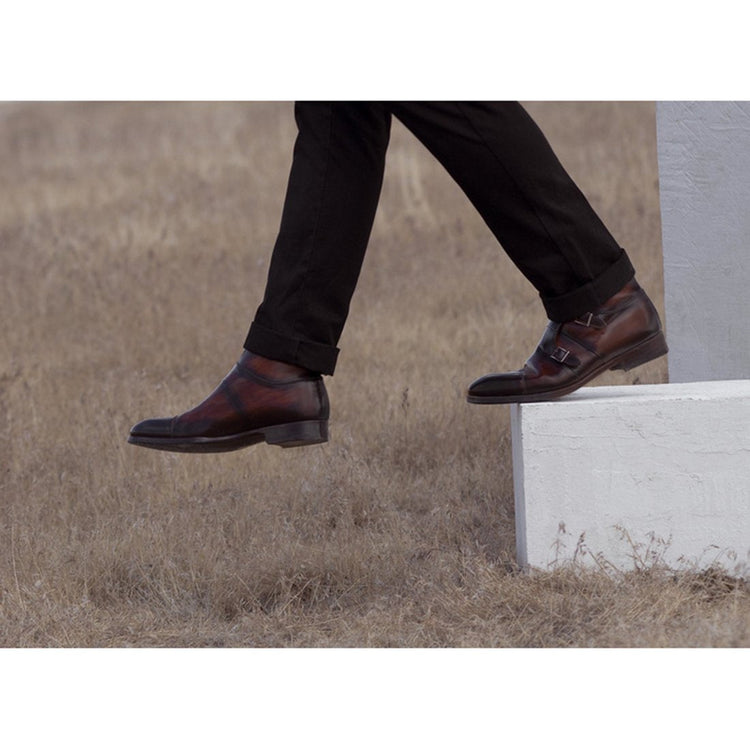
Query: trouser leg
[332,195]
[506,167]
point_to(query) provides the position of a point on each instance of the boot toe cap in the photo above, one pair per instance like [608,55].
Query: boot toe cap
[496,384]
[153,428]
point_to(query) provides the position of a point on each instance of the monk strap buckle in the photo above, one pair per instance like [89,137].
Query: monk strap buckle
[560,354]
[591,321]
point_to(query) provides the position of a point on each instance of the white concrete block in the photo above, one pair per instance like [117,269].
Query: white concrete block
[631,475]
[704,184]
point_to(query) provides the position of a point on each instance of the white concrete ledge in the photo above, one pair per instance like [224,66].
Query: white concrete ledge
[635,475]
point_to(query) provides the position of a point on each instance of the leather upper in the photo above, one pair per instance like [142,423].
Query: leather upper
[256,393]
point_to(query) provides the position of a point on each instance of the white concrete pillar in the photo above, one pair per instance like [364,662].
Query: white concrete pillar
[704,174]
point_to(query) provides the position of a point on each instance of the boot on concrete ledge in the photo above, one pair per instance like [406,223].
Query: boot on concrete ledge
[259,400]
[623,333]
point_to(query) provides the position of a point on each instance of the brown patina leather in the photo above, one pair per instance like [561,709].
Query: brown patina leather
[623,333]
[260,399]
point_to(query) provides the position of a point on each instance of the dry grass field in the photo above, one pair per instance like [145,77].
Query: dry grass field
[135,240]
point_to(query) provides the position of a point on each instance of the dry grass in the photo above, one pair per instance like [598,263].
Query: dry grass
[135,240]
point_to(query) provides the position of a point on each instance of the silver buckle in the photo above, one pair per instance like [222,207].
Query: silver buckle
[560,354]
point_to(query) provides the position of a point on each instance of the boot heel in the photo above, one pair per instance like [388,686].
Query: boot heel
[651,349]
[296,434]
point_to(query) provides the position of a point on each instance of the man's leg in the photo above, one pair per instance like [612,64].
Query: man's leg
[599,317]
[275,392]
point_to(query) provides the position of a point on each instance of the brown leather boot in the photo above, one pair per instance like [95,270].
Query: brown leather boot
[260,399]
[623,333]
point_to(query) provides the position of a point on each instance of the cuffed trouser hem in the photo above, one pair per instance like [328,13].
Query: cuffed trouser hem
[592,294]
[316,357]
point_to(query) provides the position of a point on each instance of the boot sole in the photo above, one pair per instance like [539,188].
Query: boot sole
[647,350]
[292,435]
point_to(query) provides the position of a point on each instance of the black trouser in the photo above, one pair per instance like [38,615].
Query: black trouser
[497,155]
